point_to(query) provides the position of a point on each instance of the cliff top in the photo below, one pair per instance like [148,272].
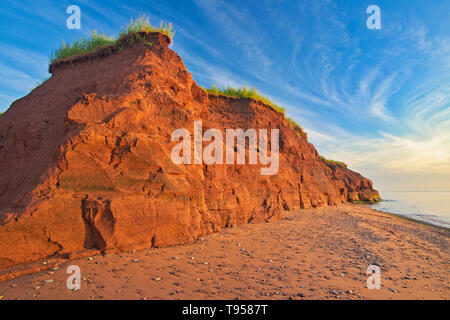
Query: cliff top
[99,45]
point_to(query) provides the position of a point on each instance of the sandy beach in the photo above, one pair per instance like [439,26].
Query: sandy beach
[310,254]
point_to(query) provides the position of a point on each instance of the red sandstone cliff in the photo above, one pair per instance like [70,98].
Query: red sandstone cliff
[86,160]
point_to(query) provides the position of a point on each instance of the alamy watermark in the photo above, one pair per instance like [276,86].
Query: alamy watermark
[213,153]
[374,20]
[74,20]
[74,280]
[374,280]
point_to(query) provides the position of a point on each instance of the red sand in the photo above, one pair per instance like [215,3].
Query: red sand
[311,254]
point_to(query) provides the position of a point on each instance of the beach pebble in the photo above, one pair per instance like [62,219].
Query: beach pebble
[157,279]
[48,281]
[135,260]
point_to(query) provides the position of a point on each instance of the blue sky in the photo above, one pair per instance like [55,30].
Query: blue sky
[377,99]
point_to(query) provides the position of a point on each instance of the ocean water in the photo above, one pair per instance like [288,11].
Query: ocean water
[427,206]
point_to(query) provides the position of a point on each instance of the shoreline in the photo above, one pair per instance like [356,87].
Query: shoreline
[412,219]
[424,206]
[318,253]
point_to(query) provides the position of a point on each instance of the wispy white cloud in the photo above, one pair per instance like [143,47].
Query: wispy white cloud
[379,110]
[407,121]
[32,61]
[221,77]
[21,70]
[239,28]
[15,79]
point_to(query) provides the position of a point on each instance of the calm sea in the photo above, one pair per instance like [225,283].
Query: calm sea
[432,207]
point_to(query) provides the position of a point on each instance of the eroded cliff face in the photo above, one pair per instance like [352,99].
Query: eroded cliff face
[86,160]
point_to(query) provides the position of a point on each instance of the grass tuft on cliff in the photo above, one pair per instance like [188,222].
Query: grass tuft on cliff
[295,125]
[334,162]
[245,92]
[96,40]
[142,24]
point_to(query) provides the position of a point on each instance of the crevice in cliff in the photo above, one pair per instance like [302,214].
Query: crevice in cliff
[152,241]
[99,223]
[47,236]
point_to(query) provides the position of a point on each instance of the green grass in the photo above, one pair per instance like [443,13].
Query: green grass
[294,124]
[142,24]
[96,40]
[81,46]
[334,162]
[1,113]
[245,92]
